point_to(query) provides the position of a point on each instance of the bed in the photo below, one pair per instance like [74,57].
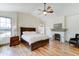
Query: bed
[35,44]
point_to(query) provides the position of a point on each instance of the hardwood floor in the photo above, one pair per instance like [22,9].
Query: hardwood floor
[55,48]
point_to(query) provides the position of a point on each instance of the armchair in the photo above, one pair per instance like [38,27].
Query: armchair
[75,40]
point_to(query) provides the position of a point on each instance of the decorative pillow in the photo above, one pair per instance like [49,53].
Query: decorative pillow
[29,32]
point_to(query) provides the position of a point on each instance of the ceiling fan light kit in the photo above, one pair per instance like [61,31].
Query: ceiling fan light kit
[47,9]
[44,12]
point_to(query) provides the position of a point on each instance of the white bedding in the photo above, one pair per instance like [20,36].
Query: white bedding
[31,38]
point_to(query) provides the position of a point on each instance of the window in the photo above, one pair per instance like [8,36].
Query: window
[5,22]
[5,26]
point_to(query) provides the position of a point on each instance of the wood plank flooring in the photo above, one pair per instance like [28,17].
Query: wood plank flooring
[54,48]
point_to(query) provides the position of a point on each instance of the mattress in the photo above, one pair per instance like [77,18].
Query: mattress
[31,38]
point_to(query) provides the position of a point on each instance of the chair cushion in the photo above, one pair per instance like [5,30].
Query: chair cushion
[73,41]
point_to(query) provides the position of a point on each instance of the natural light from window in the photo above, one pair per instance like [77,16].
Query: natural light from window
[5,27]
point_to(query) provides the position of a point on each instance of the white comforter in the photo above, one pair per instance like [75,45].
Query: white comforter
[31,38]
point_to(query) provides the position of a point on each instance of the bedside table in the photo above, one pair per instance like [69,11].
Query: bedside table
[14,41]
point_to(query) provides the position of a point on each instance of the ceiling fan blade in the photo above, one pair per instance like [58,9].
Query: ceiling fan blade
[40,9]
[49,7]
[50,11]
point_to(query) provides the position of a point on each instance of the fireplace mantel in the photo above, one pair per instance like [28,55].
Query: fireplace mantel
[59,30]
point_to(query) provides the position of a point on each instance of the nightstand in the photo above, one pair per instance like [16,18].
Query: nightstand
[14,41]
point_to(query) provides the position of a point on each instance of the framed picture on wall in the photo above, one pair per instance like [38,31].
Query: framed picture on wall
[58,26]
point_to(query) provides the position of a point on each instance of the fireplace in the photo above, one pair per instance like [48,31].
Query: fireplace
[57,36]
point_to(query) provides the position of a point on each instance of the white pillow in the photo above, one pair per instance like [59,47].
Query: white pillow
[29,32]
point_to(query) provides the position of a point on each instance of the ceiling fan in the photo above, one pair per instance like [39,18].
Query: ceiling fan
[46,10]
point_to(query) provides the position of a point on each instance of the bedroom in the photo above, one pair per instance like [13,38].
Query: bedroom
[27,15]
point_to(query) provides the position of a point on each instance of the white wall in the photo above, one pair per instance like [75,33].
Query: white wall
[28,20]
[72,26]
[59,20]
[51,20]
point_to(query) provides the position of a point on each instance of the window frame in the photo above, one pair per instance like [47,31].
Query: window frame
[10,22]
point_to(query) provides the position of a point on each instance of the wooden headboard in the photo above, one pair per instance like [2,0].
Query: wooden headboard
[22,29]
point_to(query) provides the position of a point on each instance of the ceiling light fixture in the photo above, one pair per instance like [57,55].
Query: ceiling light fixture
[46,10]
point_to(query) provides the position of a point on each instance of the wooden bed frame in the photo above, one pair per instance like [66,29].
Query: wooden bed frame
[35,45]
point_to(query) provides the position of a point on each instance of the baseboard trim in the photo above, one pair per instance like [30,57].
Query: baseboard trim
[4,44]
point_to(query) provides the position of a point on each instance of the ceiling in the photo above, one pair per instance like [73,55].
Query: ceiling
[59,8]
